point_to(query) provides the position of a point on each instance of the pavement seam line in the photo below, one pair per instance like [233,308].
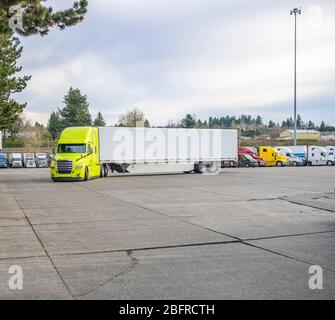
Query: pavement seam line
[45,250]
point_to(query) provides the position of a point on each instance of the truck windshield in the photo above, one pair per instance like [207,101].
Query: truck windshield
[71,148]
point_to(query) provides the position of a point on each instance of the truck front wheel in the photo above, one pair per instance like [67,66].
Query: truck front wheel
[279,164]
[329,163]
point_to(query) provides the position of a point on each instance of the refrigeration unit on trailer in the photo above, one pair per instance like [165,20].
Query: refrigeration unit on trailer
[29,160]
[292,159]
[41,160]
[15,160]
[3,160]
[89,152]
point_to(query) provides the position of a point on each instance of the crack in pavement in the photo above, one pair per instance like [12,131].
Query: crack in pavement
[128,269]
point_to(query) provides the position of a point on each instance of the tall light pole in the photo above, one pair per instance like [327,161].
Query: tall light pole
[294,12]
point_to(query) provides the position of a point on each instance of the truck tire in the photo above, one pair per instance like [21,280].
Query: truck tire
[86,174]
[279,164]
[294,164]
[200,168]
[330,163]
[247,165]
[212,167]
[105,170]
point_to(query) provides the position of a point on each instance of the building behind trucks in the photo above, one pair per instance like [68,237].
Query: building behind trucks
[272,157]
[293,160]
[89,152]
[41,160]
[15,160]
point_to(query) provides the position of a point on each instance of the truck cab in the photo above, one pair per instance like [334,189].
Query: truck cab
[317,156]
[246,160]
[288,153]
[3,160]
[29,160]
[77,156]
[15,160]
[41,160]
[245,150]
[272,157]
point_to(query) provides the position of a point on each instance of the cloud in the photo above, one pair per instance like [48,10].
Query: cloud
[197,56]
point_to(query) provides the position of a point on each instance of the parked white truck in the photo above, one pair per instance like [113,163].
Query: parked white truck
[292,159]
[41,160]
[89,152]
[15,160]
[29,160]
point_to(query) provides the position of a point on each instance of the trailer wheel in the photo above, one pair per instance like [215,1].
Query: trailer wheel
[279,164]
[200,168]
[86,174]
[329,163]
[212,167]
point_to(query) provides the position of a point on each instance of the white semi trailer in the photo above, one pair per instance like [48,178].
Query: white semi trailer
[89,152]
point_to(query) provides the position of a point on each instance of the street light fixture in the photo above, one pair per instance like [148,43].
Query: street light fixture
[294,12]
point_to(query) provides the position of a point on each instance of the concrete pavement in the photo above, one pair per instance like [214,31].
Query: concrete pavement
[245,233]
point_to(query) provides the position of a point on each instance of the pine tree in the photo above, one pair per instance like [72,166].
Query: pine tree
[99,120]
[10,52]
[37,18]
[323,126]
[75,113]
[54,125]
[189,121]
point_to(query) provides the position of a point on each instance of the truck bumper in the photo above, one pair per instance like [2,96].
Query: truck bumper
[66,179]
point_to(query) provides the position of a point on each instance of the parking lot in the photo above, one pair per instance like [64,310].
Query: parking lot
[243,234]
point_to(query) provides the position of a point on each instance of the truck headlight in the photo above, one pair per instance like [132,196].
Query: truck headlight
[79,167]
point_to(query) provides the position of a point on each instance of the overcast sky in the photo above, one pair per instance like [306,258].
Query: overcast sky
[171,57]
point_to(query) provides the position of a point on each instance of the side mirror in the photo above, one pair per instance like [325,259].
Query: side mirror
[52,157]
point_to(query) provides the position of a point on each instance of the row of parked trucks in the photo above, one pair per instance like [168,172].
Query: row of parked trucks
[286,155]
[90,152]
[25,160]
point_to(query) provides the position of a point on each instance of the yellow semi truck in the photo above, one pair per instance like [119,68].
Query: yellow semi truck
[272,157]
[89,152]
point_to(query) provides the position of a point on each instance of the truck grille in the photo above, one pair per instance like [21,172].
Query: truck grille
[64,166]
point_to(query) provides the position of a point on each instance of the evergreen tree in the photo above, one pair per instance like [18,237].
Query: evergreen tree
[99,121]
[271,124]
[54,125]
[259,121]
[310,125]
[75,113]
[299,121]
[189,121]
[10,52]
[37,18]
[323,126]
